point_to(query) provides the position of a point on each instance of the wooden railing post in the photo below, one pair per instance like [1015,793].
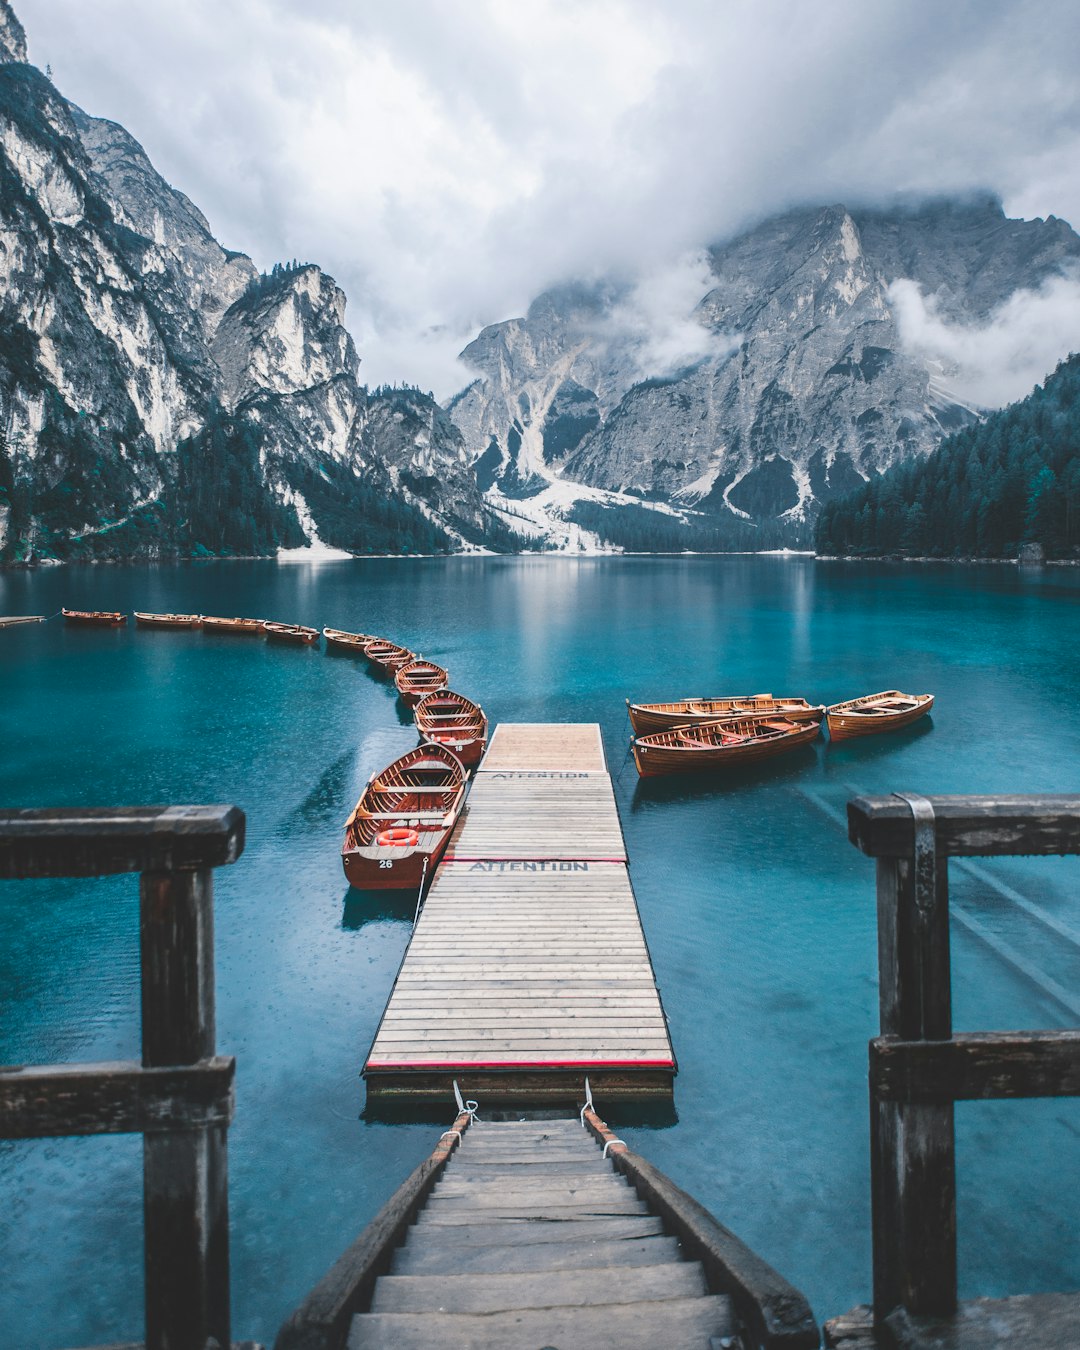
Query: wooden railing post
[185,1187]
[912,1145]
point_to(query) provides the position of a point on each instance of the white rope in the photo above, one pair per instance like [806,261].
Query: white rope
[455,1133]
[588,1101]
[468,1107]
[420,893]
[613,1141]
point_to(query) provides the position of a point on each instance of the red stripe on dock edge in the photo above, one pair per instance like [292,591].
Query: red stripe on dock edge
[457,1065]
[457,857]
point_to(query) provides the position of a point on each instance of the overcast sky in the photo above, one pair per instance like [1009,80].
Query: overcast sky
[445,160]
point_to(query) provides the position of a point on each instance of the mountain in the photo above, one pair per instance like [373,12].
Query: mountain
[985,492]
[161,397]
[800,388]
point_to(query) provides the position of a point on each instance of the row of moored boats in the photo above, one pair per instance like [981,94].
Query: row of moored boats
[402,823]
[692,734]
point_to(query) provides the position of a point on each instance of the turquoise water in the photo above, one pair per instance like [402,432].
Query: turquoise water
[759,914]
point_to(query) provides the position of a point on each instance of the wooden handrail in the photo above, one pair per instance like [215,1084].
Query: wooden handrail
[104,842]
[918,1068]
[180,1098]
[775,1313]
[322,1321]
[969,826]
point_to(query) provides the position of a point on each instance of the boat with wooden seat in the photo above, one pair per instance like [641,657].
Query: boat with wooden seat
[238,627]
[143,620]
[719,745]
[403,820]
[386,657]
[94,618]
[873,713]
[450,719]
[290,632]
[352,644]
[647,718]
[418,679]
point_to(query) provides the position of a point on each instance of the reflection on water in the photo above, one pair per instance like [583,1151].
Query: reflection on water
[760,916]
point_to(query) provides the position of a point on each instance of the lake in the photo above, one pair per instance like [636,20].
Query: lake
[759,914]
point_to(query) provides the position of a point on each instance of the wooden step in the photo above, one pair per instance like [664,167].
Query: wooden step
[529,1187]
[671,1324]
[458,1212]
[466,1210]
[565,1167]
[524,1231]
[487,1293]
[425,1255]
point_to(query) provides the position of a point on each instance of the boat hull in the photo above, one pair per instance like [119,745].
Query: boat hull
[299,637]
[232,627]
[469,749]
[91,619]
[848,726]
[168,620]
[391,869]
[655,760]
[649,718]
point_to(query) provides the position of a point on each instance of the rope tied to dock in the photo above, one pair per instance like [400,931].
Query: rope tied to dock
[469,1108]
[611,1141]
[588,1101]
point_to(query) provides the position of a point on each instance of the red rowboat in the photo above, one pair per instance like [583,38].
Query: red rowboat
[291,632]
[888,711]
[387,657]
[167,620]
[418,679]
[452,720]
[96,618]
[246,627]
[647,718]
[718,745]
[352,644]
[403,820]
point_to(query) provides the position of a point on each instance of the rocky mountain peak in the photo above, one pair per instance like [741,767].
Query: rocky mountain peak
[12,35]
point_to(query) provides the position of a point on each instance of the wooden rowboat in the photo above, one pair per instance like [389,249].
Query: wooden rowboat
[96,618]
[387,657]
[403,820]
[873,713]
[647,718]
[418,679]
[290,632]
[353,644]
[168,620]
[719,745]
[450,719]
[248,627]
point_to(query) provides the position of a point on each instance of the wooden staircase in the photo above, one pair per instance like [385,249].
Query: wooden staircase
[531,1239]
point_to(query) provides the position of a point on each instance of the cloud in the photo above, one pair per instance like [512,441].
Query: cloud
[996,362]
[445,160]
[654,319]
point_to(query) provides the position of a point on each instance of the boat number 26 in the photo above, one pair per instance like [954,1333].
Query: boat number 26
[386,862]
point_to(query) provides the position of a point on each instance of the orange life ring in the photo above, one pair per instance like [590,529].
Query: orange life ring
[399,837]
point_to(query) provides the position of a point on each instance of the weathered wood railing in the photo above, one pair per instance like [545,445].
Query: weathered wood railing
[918,1068]
[180,1098]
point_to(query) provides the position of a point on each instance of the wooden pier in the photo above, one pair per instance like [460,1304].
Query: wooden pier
[528,967]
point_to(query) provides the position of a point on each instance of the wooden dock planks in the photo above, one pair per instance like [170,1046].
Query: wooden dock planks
[529,953]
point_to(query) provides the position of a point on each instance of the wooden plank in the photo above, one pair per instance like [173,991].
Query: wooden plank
[38,1101]
[969,826]
[542,745]
[89,843]
[977,1065]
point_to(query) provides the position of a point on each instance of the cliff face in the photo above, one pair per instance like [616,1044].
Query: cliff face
[144,368]
[804,388]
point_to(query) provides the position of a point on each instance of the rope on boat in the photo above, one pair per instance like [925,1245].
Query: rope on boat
[468,1107]
[588,1101]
